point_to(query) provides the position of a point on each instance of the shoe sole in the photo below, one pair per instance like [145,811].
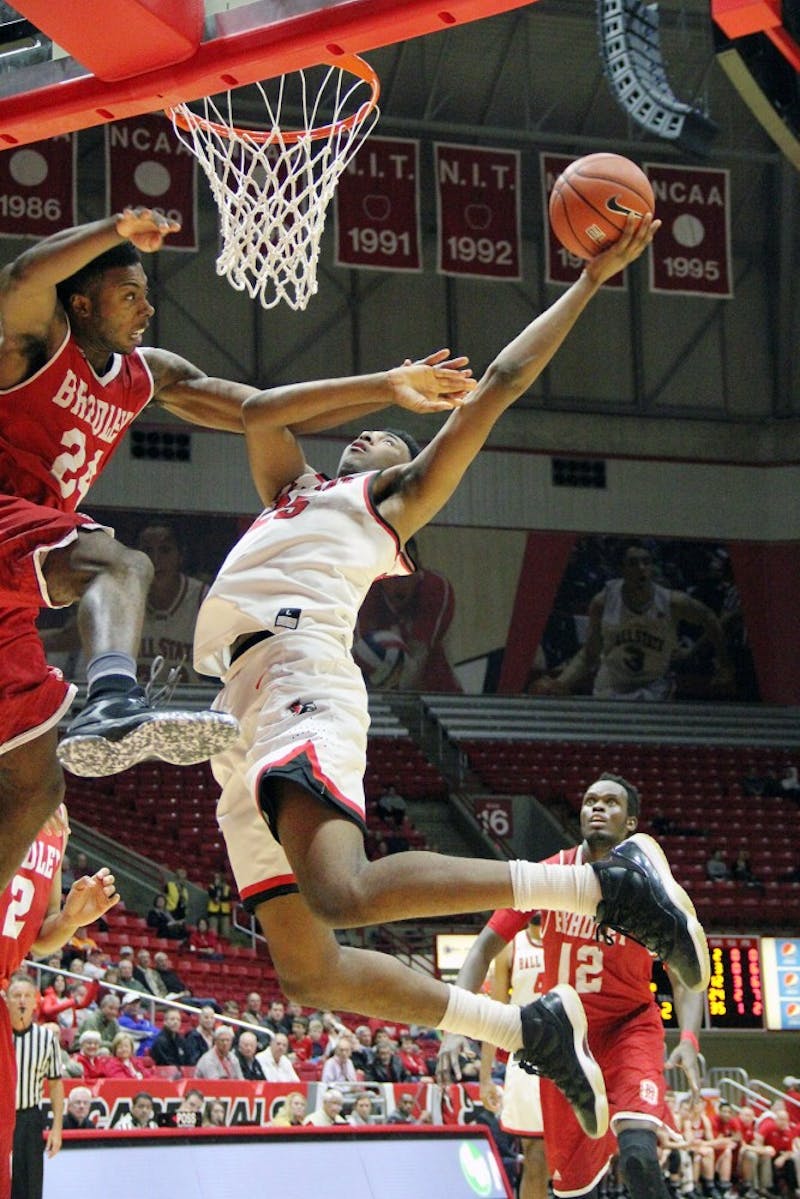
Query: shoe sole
[181,738]
[573,1009]
[680,899]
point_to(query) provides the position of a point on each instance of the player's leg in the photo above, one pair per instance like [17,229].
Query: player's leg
[316,971]
[118,726]
[31,788]
[638,1156]
[533,1183]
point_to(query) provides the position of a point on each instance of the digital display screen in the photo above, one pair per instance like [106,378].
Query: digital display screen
[459,1163]
[781,958]
[735,997]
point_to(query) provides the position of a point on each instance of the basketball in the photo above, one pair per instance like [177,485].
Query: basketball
[591,199]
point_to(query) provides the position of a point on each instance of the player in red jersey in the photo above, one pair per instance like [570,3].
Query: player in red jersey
[73,311]
[32,919]
[626,1036]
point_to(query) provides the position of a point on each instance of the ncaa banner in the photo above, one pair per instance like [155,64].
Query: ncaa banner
[377,207]
[148,167]
[477,203]
[691,253]
[38,187]
[561,266]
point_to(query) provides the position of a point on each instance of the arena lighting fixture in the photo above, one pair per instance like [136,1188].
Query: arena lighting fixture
[632,63]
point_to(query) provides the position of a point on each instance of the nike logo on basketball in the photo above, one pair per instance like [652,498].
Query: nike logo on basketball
[613,205]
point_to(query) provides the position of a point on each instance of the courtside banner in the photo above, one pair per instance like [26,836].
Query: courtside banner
[147,166]
[376,207]
[560,265]
[477,201]
[37,188]
[691,253]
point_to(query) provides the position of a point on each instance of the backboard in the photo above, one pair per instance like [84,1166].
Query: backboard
[93,61]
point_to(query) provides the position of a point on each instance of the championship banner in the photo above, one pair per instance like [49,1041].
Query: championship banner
[37,188]
[147,166]
[377,207]
[560,265]
[691,253]
[477,202]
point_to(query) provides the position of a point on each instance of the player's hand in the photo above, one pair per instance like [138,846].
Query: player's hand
[633,241]
[418,387]
[440,358]
[145,227]
[685,1055]
[57,824]
[89,898]
[448,1068]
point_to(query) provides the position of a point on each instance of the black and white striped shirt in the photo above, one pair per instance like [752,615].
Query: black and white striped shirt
[38,1058]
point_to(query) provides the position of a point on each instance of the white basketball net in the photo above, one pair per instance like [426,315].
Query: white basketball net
[273,188]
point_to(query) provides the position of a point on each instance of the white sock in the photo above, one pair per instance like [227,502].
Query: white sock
[554,888]
[483,1019]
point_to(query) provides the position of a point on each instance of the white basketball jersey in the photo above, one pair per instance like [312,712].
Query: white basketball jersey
[637,646]
[170,632]
[305,563]
[527,964]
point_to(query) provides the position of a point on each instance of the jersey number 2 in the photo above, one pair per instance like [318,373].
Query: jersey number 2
[20,899]
[587,964]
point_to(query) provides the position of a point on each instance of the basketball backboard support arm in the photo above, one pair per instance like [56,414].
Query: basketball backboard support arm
[244,44]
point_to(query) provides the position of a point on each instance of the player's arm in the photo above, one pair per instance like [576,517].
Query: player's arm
[583,664]
[689,1006]
[686,607]
[272,417]
[187,392]
[88,899]
[471,976]
[410,495]
[54,1134]
[500,989]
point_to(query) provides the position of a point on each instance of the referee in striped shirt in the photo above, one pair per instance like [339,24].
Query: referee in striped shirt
[38,1059]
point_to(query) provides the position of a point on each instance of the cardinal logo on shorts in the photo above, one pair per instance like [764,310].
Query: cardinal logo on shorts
[300,707]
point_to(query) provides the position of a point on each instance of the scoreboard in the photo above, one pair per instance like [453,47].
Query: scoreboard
[735,997]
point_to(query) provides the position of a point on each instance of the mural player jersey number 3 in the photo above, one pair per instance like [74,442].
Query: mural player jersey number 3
[305,563]
[61,426]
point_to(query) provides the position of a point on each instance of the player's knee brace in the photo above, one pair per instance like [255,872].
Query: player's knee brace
[638,1152]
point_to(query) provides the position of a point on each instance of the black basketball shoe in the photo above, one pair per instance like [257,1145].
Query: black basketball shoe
[554,1045]
[115,732]
[642,900]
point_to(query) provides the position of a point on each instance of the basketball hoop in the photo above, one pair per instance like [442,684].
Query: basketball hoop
[272,188]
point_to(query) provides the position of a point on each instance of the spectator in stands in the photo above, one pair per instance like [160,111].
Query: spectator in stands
[339,1066]
[163,923]
[133,1021]
[292,1112]
[362,1110]
[189,1112]
[79,1105]
[386,1066]
[791,1099]
[175,986]
[330,1112]
[276,1019]
[755,1158]
[219,904]
[231,1008]
[741,871]
[363,1053]
[61,1001]
[104,1020]
[717,868]
[392,807]
[169,1047]
[125,951]
[404,1112]
[246,1050]
[219,1062]
[81,943]
[176,895]
[121,1063]
[201,1038]
[704,1147]
[203,941]
[274,1060]
[413,1058]
[146,974]
[89,1056]
[253,1013]
[299,1040]
[126,976]
[783,1138]
[318,1037]
[215,1115]
[142,1113]
[97,964]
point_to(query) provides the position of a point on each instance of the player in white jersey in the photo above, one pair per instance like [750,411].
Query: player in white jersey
[632,638]
[277,627]
[516,978]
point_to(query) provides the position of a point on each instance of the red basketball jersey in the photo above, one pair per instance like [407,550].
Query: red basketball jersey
[611,979]
[61,426]
[23,904]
